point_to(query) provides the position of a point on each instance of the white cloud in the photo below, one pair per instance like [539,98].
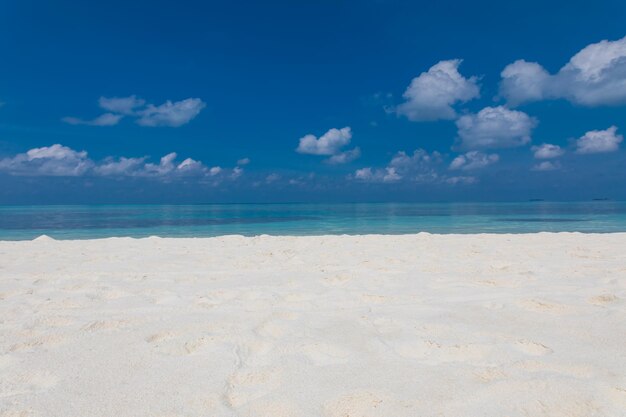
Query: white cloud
[172,114]
[431,95]
[495,127]
[168,166]
[236,173]
[345,157]
[215,170]
[243,161]
[59,160]
[55,160]
[191,166]
[546,166]
[523,81]
[547,151]
[595,76]
[121,105]
[120,167]
[388,174]
[421,166]
[106,119]
[599,141]
[473,160]
[330,144]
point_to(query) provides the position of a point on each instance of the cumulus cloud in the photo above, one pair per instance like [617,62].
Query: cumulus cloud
[431,95]
[420,166]
[120,166]
[599,141]
[121,105]
[59,160]
[547,151]
[495,127]
[243,161]
[595,76]
[345,157]
[388,174]
[236,172]
[473,160]
[55,160]
[523,81]
[106,119]
[172,114]
[330,144]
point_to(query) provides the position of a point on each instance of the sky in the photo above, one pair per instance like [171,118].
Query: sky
[311,101]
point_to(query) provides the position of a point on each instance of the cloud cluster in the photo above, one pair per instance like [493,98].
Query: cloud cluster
[431,95]
[595,76]
[172,114]
[420,167]
[495,127]
[599,141]
[55,160]
[330,144]
[62,161]
[547,151]
[473,160]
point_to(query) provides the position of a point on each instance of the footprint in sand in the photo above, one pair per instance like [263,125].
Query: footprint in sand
[100,325]
[618,395]
[368,404]
[38,342]
[603,299]
[196,344]
[170,343]
[247,385]
[161,336]
[532,348]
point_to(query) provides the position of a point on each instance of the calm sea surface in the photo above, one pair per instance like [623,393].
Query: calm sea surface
[98,221]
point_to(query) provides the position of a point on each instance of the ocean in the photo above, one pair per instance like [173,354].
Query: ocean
[101,221]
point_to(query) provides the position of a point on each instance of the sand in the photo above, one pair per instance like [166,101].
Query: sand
[333,326]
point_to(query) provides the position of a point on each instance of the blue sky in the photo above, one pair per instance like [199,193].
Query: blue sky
[311,101]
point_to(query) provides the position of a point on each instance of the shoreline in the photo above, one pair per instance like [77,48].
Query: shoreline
[44,237]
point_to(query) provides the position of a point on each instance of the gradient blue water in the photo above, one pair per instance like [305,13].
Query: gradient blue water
[80,222]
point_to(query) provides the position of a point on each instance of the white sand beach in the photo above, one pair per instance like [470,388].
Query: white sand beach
[334,326]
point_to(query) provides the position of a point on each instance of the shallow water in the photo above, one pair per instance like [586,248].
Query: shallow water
[98,221]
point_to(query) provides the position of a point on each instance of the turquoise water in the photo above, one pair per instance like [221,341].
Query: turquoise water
[98,221]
